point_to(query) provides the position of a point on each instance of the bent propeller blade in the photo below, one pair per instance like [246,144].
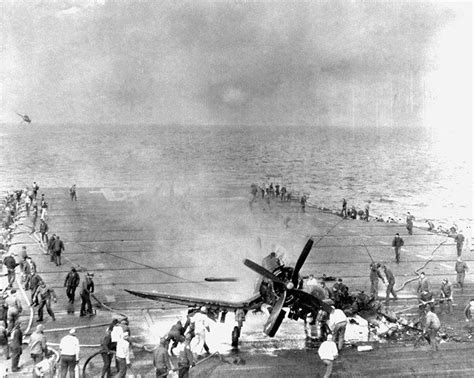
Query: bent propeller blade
[276,317]
[299,264]
[262,271]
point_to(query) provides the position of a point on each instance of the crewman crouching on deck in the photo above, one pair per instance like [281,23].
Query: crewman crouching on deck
[431,328]
[337,324]
[176,333]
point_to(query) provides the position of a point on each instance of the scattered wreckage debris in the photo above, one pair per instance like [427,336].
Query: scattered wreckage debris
[370,321]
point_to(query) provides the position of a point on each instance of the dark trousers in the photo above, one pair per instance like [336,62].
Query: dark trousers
[5,351]
[57,258]
[122,368]
[431,337]
[390,290]
[46,303]
[36,358]
[11,277]
[15,354]
[374,288]
[397,254]
[329,365]
[86,305]
[161,372]
[70,292]
[183,372]
[338,334]
[107,358]
[33,295]
[68,364]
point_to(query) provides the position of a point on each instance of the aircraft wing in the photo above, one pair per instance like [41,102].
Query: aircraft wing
[249,304]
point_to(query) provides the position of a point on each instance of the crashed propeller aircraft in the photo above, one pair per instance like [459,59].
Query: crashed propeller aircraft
[279,288]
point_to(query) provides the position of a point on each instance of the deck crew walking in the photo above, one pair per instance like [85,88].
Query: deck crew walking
[37,344]
[15,346]
[72,193]
[303,203]
[35,282]
[344,208]
[459,239]
[390,284]
[461,269]
[410,219]
[45,295]
[44,232]
[58,248]
[86,290]
[51,246]
[10,263]
[397,244]
[71,283]
[201,327]
[13,304]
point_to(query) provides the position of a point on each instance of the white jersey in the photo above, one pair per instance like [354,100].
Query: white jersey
[201,322]
[116,333]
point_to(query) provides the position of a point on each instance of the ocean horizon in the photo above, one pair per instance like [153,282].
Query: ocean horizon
[424,171]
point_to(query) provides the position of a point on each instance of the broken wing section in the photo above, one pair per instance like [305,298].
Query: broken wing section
[249,304]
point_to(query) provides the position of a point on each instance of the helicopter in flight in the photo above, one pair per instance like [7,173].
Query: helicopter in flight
[24,118]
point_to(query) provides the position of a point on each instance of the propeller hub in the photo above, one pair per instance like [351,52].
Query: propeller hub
[290,286]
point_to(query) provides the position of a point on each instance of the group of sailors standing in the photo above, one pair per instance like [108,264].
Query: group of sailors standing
[19,207]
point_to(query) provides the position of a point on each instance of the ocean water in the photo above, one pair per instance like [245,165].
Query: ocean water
[428,173]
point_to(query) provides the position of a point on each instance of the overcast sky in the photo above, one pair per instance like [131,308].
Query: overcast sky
[227,62]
